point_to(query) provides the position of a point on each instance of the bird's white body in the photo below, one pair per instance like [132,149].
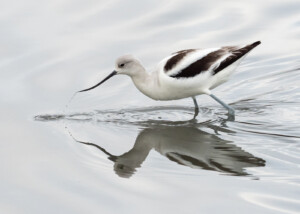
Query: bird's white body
[158,85]
[183,74]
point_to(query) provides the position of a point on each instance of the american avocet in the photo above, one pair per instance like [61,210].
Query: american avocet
[186,73]
[209,153]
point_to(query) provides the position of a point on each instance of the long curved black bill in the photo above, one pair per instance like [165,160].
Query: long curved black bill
[106,78]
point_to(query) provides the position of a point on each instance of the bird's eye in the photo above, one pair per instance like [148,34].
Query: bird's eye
[122,65]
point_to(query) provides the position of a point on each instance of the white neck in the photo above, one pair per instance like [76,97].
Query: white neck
[145,83]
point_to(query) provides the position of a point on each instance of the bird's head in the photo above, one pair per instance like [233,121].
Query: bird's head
[127,65]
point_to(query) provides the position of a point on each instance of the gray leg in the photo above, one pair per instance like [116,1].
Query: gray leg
[196,107]
[195,102]
[230,110]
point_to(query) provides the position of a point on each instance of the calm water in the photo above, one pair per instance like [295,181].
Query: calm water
[114,150]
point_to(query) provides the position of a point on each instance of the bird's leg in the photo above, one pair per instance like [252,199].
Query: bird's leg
[230,110]
[196,107]
[195,103]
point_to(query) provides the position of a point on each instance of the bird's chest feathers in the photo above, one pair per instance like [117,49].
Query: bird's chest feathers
[148,86]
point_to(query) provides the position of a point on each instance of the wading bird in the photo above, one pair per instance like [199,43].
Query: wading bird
[183,74]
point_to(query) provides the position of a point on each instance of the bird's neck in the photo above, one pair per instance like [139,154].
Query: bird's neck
[144,82]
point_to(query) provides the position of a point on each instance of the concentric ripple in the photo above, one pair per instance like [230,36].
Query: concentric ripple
[166,115]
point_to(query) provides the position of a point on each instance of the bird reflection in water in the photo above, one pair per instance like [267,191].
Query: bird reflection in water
[188,146]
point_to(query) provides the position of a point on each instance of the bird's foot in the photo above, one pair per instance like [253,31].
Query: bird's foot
[231,114]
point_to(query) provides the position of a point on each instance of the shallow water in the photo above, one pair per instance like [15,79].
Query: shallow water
[112,150]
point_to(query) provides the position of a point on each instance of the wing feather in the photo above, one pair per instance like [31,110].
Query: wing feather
[214,61]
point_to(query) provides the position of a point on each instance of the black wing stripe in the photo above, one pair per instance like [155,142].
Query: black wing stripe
[236,55]
[206,62]
[176,58]
[200,65]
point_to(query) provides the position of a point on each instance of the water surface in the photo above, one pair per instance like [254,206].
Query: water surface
[114,150]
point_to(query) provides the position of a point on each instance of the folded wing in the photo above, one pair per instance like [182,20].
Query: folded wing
[214,61]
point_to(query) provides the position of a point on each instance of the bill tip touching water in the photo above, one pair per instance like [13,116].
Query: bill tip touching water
[183,74]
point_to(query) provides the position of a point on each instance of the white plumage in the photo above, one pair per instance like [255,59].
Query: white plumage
[186,73]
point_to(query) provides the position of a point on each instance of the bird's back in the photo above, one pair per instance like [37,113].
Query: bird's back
[192,62]
[196,71]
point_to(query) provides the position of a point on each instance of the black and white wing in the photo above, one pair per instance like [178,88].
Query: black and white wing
[192,62]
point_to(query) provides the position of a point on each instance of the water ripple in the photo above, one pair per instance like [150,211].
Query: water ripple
[171,115]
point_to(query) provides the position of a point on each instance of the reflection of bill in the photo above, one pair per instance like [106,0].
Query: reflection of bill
[186,146]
